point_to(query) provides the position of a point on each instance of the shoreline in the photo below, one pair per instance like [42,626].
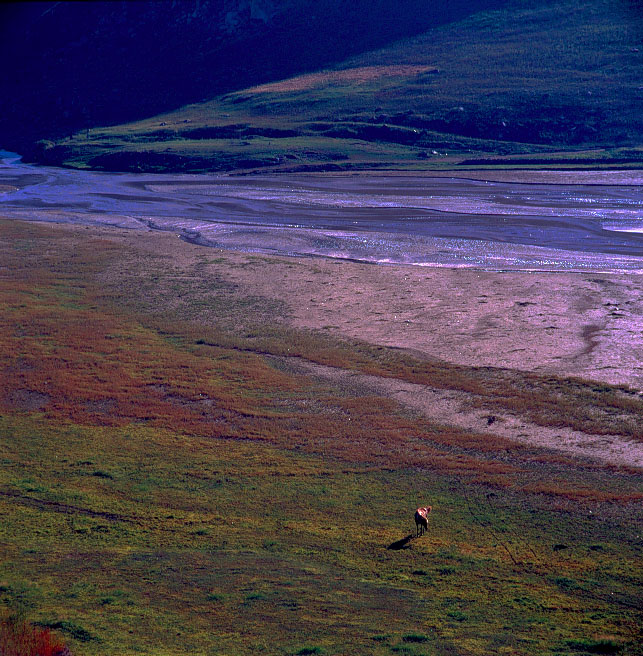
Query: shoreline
[583,327]
[460,314]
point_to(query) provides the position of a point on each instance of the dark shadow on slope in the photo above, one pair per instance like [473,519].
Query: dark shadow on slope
[71,65]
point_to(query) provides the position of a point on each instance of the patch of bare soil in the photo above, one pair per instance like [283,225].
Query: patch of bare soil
[465,411]
[28,400]
[569,324]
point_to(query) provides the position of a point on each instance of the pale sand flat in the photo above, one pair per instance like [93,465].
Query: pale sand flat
[567,324]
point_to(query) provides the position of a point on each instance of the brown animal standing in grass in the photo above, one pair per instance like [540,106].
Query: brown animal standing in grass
[421,520]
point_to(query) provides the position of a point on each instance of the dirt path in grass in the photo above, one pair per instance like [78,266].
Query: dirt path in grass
[56,506]
[465,411]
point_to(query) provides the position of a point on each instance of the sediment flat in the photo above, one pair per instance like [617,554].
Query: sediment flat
[583,325]
[569,324]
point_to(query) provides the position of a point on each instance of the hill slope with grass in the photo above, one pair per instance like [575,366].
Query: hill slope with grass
[69,65]
[173,479]
[541,83]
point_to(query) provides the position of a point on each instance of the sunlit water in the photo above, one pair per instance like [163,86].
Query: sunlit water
[548,224]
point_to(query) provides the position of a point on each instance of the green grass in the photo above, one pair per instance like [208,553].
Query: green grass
[545,84]
[284,557]
[166,496]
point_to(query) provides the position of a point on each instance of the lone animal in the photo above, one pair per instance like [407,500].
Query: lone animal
[421,520]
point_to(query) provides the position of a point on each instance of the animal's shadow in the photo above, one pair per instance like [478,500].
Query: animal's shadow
[403,543]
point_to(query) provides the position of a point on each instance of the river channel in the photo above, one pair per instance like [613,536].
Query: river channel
[521,221]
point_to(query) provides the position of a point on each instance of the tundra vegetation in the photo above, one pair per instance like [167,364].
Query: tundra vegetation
[173,483]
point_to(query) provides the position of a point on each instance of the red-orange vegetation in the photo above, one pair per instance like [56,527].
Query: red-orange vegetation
[495,482]
[19,638]
[95,367]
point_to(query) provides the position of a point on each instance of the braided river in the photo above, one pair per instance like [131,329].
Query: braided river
[512,220]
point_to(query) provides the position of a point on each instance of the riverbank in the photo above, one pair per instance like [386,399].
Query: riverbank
[510,324]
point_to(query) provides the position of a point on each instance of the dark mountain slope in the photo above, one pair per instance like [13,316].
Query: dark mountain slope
[556,82]
[70,65]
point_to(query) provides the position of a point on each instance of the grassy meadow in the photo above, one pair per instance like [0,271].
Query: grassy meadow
[532,84]
[171,482]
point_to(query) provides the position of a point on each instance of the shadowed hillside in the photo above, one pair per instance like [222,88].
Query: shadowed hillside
[70,65]
[534,83]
